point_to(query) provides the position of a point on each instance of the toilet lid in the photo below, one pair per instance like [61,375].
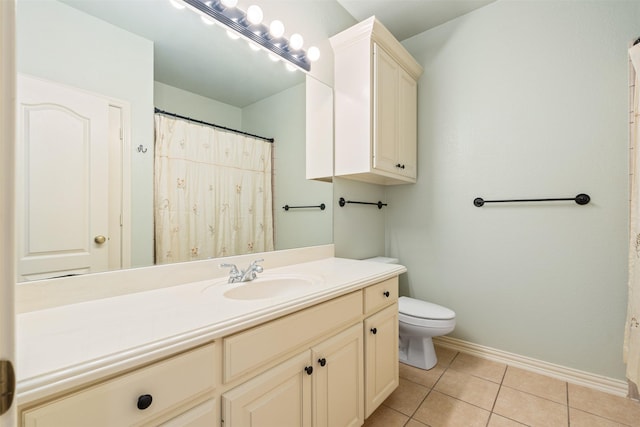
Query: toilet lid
[424,310]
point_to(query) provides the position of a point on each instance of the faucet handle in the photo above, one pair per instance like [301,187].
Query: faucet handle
[234,268]
[257,268]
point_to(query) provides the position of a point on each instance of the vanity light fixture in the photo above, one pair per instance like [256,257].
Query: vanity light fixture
[250,26]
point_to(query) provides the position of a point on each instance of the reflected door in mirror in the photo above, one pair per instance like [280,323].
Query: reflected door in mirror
[62,181]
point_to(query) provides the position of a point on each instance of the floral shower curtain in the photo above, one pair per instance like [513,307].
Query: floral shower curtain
[632,330]
[212,192]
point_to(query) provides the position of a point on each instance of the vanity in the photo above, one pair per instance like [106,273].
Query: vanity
[311,343]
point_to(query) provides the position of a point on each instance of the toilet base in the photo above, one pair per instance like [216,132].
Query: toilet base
[418,352]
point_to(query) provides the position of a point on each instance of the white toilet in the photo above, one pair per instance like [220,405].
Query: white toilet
[419,321]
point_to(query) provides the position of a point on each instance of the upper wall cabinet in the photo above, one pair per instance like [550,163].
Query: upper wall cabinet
[375,106]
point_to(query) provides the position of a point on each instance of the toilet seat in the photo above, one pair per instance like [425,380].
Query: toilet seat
[433,324]
[414,308]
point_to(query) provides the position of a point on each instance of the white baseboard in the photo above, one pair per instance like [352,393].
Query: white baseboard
[574,376]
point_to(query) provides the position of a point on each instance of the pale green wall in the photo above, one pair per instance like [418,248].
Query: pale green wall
[59,43]
[282,117]
[359,230]
[523,99]
[184,103]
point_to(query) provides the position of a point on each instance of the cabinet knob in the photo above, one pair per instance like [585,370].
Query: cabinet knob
[308,370]
[386,294]
[144,401]
[400,166]
[374,331]
[322,361]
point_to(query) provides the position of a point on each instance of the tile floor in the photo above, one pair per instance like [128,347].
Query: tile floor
[463,390]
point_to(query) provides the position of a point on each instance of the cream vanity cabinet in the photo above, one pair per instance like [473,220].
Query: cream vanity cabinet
[323,379]
[375,89]
[328,365]
[179,391]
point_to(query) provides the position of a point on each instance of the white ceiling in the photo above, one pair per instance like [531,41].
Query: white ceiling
[203,60]
[406,18]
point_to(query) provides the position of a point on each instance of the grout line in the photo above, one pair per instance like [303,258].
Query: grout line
[497,394]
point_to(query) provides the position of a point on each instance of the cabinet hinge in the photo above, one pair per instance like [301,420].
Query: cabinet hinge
[7,385]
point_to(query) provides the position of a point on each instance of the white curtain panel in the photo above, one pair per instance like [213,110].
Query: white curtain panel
[632,330]
[212,192]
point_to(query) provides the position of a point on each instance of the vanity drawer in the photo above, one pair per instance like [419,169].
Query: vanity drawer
[115,402]
[249,350]
[380,295]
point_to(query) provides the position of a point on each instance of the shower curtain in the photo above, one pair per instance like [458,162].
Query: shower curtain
[212,192]
[632,329]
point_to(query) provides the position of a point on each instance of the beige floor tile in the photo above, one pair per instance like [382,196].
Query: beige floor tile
[472,365]
[414,423]
[386,417]
[583,419]
[445,355]
[407,397]
[529,409]
[439,410]
[615,408]
[540,385]
[499,421]
[470,389]
[420,376]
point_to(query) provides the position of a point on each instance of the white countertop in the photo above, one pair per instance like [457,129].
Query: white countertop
[65,346]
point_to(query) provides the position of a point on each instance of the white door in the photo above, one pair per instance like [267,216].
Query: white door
[8,412]
[62,181]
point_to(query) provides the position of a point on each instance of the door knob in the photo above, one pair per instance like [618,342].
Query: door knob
[100,239]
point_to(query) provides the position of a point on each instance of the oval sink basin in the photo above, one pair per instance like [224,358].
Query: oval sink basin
[271,287]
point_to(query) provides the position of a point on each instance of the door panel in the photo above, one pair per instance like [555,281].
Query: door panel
[338,380]
[62,180]
[279,397]
[386,115]
[381,356]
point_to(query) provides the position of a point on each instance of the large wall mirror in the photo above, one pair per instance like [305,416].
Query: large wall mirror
[144,54]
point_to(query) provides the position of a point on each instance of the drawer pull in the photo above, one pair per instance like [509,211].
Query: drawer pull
[400,166]
[322,361]
[308,370]
[386,294]
[144,401]
[374,331]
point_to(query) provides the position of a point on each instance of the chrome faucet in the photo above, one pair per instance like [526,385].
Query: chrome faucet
[247,275]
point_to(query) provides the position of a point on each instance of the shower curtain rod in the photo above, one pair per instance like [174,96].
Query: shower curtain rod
[178,116]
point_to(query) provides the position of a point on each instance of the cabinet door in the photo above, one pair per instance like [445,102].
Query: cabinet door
[407,124]
[381,356]
[338,382]
[385,110]
[279,397]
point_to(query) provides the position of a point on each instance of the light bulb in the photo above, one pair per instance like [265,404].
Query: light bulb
[207,20]
[229,3]
[276,29]
[177,4]
[296,41]
[313,53]
[233,35]
[254,14]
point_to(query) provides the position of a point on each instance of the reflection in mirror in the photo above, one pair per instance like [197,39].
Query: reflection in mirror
[133,58]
